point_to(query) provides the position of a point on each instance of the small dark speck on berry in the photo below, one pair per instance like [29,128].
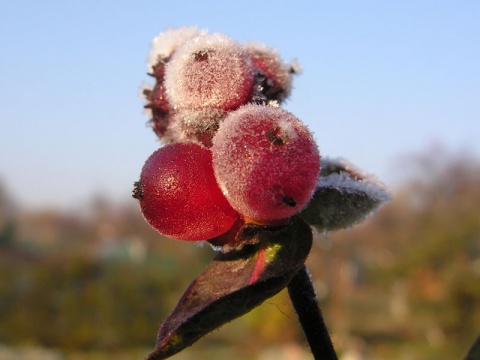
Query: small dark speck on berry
[289,201]
[273,137]
[201,55]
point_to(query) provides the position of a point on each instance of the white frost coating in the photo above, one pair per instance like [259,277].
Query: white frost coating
[342,200]
[197,125]
[370,186]
[209,70]
[345,165]
[266,162]
[165,43]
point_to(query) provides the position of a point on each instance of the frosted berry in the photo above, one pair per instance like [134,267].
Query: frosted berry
[163,47]
[274,77]
[266,162]
[198,125]
[165,43]
[209,71]
[179,196]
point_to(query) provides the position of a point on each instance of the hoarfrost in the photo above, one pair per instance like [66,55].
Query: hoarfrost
[199,125]
[371,187]
[209,71]
[165,43]
[344,196]
[266,162]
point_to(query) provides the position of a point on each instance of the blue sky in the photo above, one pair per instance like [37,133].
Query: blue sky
[381,79]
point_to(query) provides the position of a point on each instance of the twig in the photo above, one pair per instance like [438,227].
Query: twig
[304,300]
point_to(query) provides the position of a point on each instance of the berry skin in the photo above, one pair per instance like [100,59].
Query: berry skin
[209,71]
[266,162]
[179,196]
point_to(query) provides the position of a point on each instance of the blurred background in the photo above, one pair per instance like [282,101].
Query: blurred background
[391,86]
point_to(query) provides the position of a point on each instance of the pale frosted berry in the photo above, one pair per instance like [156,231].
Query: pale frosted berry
[189,125]
[163,46]
[179,196]
[199,125]
[209,71]
[274,80]
[165,43]
[266,162]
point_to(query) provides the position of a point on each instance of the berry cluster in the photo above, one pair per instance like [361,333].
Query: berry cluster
[231,154]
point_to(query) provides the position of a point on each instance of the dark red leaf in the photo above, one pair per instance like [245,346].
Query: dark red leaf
[235,282]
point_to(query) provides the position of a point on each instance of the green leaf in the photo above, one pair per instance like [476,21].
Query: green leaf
[344,196]
[234,283]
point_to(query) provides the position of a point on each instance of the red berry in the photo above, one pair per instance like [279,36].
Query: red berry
[179,196]
[277,75]
[209,71]
[165,43]
[266,162]
[160,109]
[163,46]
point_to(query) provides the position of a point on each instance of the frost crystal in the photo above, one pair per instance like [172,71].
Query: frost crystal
[168,41]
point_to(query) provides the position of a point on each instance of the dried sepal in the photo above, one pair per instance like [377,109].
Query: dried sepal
[344,196]
[234,283]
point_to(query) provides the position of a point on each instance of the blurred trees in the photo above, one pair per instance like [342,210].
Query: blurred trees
[406,284]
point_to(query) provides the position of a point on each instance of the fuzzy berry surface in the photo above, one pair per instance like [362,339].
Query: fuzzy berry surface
[266,162]
[209,71]
[179,196]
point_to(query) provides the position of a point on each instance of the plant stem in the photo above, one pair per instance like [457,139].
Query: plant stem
[304,300]
[474,353]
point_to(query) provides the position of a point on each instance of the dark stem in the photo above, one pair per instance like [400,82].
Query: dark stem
[474,353]
[304,300]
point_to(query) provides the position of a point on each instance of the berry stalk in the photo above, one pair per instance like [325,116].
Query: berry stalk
[304,300]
